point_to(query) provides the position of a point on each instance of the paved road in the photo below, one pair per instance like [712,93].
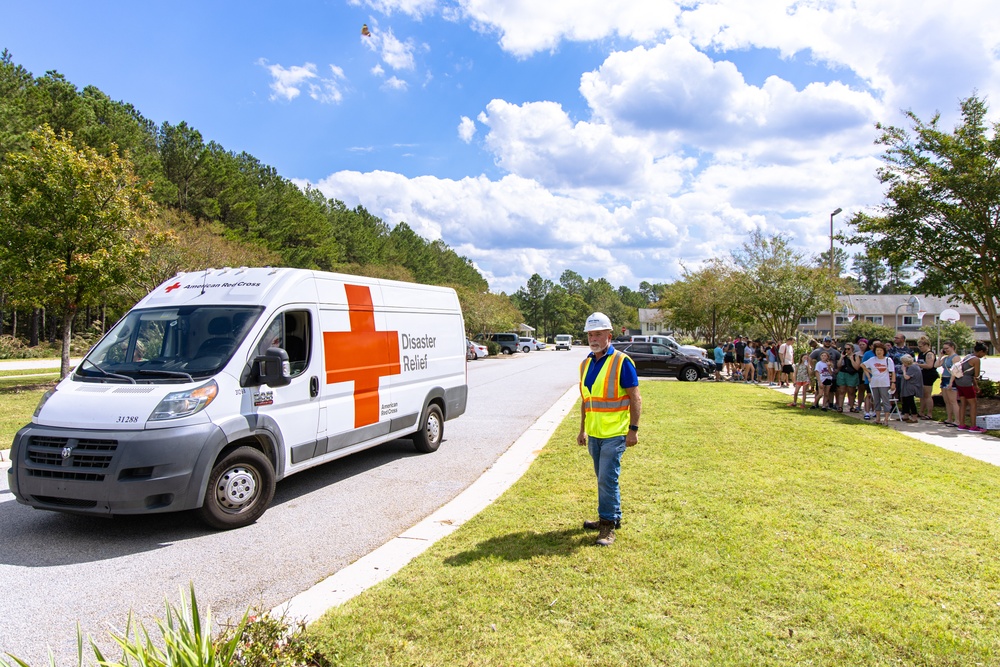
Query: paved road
[57,570]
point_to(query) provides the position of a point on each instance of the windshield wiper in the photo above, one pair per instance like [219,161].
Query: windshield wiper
[175,374]
[109,374]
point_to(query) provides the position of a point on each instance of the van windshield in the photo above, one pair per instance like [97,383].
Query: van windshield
[169,344]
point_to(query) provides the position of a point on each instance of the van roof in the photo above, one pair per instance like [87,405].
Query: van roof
[250,285]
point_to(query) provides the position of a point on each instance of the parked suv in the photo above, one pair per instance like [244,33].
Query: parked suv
[656,359]
[509,342]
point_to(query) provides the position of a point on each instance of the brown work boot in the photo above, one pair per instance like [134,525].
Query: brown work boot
[607,536]
[596,525]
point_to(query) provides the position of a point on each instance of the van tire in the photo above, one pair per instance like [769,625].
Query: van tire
[507,350]
[429,437]
[240,488]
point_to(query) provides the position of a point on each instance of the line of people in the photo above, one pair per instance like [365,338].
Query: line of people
[862,376]
[753,361]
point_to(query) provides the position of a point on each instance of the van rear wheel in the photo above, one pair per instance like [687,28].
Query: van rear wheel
[240,488]
[429,437]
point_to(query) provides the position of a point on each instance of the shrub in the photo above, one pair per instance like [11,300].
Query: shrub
[987,389]
[14,348]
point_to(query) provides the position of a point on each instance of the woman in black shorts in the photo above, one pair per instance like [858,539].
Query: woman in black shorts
[926,359]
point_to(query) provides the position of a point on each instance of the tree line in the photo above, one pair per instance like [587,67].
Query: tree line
[171,201]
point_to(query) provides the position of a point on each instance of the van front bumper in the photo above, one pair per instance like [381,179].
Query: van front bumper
[113,472]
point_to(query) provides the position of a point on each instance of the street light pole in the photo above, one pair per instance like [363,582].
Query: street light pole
[833,315]
[839,210]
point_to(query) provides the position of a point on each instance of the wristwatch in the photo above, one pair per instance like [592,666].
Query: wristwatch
[633,427]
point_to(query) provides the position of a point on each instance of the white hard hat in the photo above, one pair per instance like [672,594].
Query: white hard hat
[598,322]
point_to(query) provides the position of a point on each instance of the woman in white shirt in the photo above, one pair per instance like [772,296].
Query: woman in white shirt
[881,374]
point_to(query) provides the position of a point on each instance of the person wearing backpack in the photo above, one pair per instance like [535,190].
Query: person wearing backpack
[947,359]
[965,378]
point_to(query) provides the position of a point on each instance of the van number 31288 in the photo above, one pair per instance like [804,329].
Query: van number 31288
[127,419]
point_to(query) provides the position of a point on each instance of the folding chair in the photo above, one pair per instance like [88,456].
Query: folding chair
[894,402]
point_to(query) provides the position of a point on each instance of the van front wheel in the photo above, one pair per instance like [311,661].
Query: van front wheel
[240,488]
[428,438]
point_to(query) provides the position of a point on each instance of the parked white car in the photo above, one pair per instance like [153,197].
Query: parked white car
[528,344]
[690,350]
[476,350]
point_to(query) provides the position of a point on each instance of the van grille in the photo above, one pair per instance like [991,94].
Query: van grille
[85,459]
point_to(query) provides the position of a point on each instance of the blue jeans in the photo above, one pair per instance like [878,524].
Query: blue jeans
[607,455]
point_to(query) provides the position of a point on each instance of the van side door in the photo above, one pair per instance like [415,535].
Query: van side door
[292,410]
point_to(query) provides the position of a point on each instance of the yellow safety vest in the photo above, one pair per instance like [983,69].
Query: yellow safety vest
[606,408]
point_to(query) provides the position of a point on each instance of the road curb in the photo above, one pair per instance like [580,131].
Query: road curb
[392,556]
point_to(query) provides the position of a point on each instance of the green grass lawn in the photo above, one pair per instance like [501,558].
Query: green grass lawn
[18,408]
[752,535]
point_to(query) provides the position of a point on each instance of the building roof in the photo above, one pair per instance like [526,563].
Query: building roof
[650,315]
[887,304]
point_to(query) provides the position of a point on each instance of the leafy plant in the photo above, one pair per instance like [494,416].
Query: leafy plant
[186,640]
[987,389]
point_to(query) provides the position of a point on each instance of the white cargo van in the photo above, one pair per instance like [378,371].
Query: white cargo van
[219,383]
[563,341]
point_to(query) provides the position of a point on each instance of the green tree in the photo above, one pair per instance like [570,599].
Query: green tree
[871,270]
[181,150]
[531,300]
[75,224]
[942,207]
[17,113]
[702,303]
[778,288]
[839,261]
[485,312]
[572,282]
[866,329]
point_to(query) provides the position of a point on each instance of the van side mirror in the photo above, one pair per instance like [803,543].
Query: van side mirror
[272,369]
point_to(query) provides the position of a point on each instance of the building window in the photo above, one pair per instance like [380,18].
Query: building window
[979,321]
[910,320]
[843,319]
[877,319]
[807,321]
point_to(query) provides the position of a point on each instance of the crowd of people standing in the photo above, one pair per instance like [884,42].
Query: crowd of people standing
[873,377]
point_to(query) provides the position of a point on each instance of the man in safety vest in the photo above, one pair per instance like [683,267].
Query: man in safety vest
[609,419]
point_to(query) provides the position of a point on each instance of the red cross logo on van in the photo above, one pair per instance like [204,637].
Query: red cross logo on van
[171,288]
[362,354]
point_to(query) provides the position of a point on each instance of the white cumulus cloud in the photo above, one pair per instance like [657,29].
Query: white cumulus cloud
[288,83]
[466,129]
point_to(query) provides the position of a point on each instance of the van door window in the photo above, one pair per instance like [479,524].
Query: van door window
[292,332]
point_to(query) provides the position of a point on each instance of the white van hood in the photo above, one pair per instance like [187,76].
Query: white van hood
[104,406]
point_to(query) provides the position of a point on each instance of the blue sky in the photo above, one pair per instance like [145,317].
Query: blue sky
[625,140]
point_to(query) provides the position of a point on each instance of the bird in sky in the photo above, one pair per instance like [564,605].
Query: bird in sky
[365,31]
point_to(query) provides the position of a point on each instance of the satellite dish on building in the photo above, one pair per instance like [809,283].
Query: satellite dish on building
[949,315]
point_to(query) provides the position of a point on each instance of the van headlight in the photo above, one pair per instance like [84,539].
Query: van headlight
[45,397]
[185,403]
